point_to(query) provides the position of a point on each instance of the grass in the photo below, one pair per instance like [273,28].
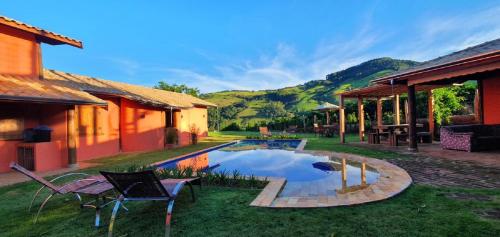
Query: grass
[419,211]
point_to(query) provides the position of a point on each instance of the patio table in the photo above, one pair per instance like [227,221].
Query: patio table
[392,128]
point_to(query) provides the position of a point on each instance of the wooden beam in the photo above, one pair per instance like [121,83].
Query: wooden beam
[327,117]
[406,112]
[71,133]
[480,87]
[361,119]
[412,117]
[380,122]
[341,119]
[430,109]
[397,116]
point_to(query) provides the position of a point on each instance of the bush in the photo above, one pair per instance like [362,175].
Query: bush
[234,126]
[211,178]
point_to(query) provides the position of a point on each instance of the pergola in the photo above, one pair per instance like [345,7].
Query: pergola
[327,107]
[480,63]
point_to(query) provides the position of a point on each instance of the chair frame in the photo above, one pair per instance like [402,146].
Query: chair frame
[60,190]
[166,196]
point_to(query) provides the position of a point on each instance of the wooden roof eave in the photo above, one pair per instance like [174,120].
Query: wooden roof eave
[479,63]
[49,100]
[41,34]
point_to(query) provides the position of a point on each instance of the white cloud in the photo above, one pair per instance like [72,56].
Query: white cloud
[440,35]
[431,37]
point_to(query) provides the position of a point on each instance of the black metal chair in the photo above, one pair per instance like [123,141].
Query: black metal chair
[145,186]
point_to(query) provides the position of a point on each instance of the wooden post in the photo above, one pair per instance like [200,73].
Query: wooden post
[380,122]
[71,132]
[327,117]
[481,98]
[361,119]
[342,120]
[412,117]
[430,109]
[397,117]
[406,112]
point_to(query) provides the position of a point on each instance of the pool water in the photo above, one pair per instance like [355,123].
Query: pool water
[306,174]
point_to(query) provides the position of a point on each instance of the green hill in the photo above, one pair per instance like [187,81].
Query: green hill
[244,106]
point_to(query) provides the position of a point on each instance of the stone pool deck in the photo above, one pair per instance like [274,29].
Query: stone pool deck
[392,181]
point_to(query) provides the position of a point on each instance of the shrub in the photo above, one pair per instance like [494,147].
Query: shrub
[212,178]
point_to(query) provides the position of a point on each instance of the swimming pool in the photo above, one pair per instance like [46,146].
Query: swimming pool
[306,174]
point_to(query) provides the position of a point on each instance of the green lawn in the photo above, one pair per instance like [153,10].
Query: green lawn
[419,211]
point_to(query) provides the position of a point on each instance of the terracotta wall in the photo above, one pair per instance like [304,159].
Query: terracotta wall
[142,127]
[491,98]
[33,115]
[98,130]
[188,118]
[19,53]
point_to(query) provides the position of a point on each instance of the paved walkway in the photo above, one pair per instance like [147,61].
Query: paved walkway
[434,166]
[391,181]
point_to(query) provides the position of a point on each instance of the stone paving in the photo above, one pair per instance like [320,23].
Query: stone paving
[444,168]
[392,181]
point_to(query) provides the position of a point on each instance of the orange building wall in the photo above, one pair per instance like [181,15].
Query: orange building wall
[19,53]
[33,115]
[193,117]
[55,116]
[98,130]
[491,98]
[142,127]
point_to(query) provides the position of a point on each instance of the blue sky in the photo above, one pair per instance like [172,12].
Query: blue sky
[249,45]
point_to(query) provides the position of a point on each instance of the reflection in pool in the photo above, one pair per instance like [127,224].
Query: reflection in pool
[306,174]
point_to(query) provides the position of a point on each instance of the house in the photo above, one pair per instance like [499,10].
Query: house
[89,117]
[479,63]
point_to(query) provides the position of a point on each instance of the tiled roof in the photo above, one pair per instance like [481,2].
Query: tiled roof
[141,94]
[19,88]
[477,50]
[44,35]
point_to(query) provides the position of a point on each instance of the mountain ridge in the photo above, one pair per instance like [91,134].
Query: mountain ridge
[243,106]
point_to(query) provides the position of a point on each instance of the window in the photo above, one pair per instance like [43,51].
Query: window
[11,128]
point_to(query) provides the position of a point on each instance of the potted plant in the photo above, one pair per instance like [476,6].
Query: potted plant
[194,133]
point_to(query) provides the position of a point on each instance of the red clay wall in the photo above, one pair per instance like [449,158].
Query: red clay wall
[189,118]
[19,53]
[33,115]
[98,130]
[491,98]
[142,127]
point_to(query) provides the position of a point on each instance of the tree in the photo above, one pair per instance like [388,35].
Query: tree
[273,109]
[446,103]
[180,88]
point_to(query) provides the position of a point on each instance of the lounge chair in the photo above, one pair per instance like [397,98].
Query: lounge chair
[264,131]
[145,186]
[94,186]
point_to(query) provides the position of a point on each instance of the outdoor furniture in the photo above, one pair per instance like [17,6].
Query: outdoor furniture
[318,130]
[374,136]
[145,186]
[329,130]
[93,186]
[470,138]
[292,129]
[423,134]
[264,131]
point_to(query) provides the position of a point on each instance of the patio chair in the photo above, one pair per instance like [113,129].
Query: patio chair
[264,131]
[145,186]
[72,187]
